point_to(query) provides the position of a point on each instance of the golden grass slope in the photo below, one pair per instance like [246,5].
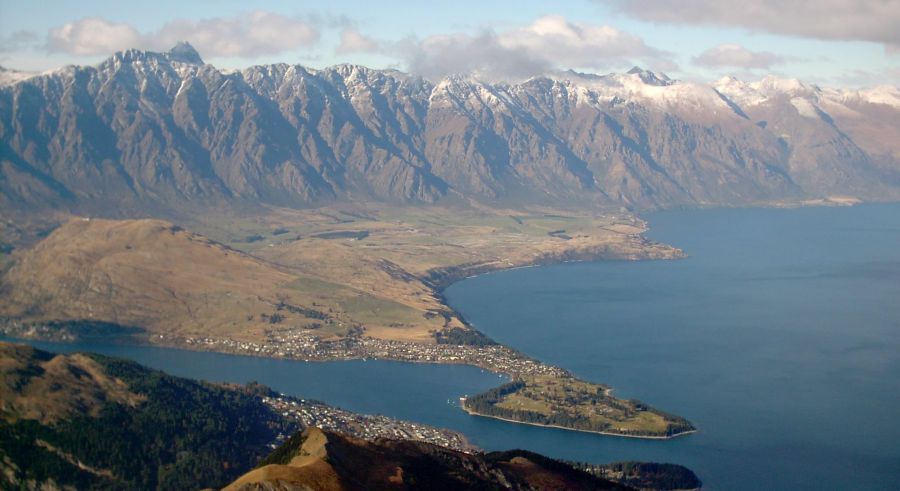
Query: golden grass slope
[50,388]
[288,273]
[157,276]
[145,273]
[307,470]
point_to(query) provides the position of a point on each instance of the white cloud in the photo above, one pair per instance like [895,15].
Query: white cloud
[482,54]
[252,34]
[849,20]
[733,55]
[92,36]
[867,78]
[550,42]
[17,41]
[257,33]
[575,44]
[353,41]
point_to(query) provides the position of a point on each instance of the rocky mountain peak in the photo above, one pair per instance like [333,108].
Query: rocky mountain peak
[650,78]
[185,53]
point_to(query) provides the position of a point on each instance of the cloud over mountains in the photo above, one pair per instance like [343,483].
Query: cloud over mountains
[257,33]
[549,42]
[876,21]
[495,51]
[733,55]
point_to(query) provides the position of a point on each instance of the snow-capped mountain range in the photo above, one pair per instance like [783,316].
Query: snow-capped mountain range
[167,130]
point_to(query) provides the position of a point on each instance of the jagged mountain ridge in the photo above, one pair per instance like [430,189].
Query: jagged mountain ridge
[145,129]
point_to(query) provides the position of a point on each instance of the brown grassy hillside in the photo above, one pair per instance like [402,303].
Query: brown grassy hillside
[156,276]
[328,461]
[37,385]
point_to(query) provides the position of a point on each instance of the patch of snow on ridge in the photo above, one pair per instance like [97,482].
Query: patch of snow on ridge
[804,107]
[883,94]
[645,87]
[761,91]
[771,86]
[738,91]
[10,77]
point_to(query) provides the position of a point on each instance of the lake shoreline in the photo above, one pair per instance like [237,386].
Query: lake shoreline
[567,428]
[497,358]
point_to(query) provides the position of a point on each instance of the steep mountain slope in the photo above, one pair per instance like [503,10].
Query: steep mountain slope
[815,126]
[323,460]
[164,132]
[85,421]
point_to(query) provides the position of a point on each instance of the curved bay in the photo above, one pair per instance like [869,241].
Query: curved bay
[779,337]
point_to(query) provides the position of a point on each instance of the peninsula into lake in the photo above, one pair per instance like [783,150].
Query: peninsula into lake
[329,284]
[572,404]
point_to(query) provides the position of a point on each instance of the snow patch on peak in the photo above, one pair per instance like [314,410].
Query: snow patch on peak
[771,86]
[805,107]
[883,94]
[646,87]
[468,91]
[458,85]
[349,71]
[740,92]
[649,77]
[10,77]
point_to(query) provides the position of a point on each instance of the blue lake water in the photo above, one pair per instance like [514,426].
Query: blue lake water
[779,337]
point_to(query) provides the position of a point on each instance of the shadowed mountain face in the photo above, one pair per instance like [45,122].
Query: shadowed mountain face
[165,130]
[324,460]
[85,421]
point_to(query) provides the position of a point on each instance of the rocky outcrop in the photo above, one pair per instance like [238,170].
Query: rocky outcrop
[325,460]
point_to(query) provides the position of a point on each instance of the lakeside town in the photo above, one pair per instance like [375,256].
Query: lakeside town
[495,357]
[368,427]
[301,346]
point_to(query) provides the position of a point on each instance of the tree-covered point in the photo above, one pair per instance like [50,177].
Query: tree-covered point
[645,475]
[486,404]
[571,403]
[460,336]
[183,435]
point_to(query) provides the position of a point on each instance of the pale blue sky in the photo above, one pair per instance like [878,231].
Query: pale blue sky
[597,36]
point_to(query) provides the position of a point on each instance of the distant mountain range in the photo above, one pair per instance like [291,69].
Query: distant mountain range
[154,131]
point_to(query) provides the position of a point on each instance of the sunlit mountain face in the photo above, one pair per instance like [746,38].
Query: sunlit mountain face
[165,129]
